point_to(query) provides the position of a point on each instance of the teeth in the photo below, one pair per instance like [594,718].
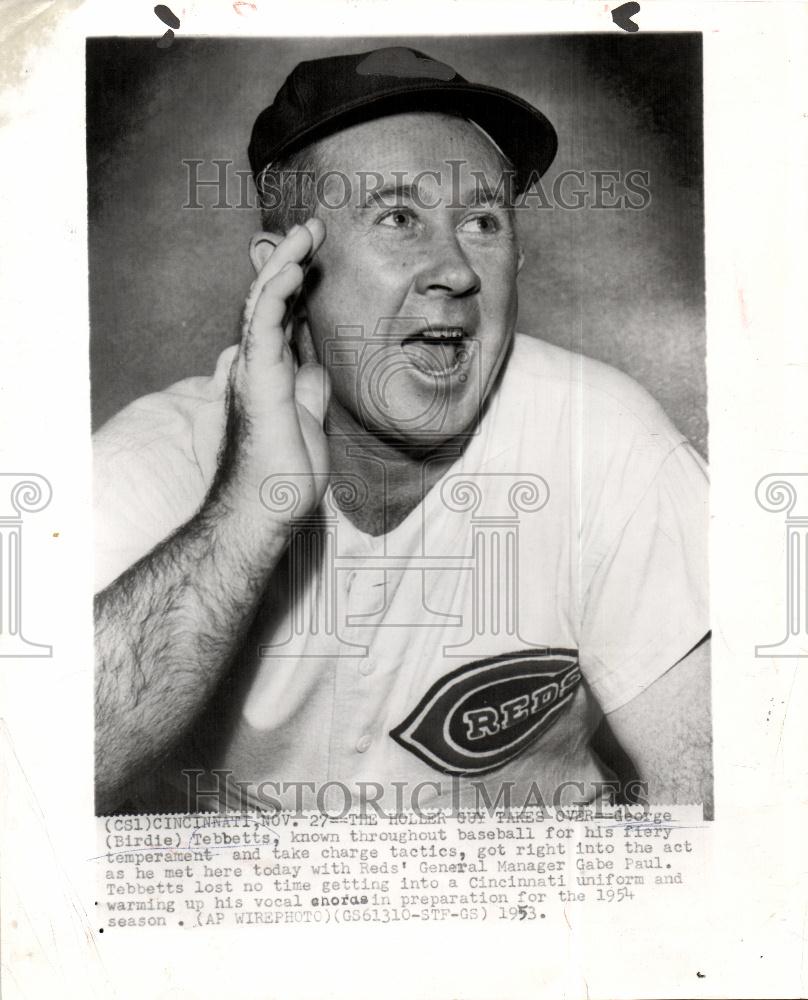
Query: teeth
[441,333]
[447,333]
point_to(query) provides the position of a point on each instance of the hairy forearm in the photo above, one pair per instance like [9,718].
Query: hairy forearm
[168,628]
[166,631]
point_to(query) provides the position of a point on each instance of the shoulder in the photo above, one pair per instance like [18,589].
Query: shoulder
[152,466]
[569,393]
[603,399]
[599,434]
[167,425]
[170,410]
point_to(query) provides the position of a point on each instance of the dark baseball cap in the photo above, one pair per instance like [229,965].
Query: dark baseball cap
[323,96]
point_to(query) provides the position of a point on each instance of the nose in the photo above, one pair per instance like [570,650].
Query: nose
[446,270]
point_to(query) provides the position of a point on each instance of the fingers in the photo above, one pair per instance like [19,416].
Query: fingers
[299,246]
[264,334]
[266,328]
[317,229]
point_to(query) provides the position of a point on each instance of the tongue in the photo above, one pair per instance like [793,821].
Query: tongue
[434,357]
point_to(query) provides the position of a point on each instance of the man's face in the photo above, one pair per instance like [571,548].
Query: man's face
[413,301]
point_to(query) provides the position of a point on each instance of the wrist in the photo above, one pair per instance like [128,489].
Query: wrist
[239,525]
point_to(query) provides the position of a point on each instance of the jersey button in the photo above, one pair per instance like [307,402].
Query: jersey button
[366,667]
[363,743]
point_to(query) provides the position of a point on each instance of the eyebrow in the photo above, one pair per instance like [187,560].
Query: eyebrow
[401,191]
[474,197]
[484,194]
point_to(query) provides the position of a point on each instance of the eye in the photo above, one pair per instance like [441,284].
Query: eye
[397,218]
[483,224]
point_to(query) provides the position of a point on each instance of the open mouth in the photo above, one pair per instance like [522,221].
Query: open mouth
[437,350]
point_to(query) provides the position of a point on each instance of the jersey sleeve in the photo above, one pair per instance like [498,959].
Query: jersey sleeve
[145,486]
[647,604]
[152,467]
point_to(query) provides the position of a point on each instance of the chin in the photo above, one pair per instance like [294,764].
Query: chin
[426,440]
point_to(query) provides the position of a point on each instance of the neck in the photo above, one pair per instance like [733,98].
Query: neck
[392,477]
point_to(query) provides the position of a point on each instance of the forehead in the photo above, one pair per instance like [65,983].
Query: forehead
[407,143]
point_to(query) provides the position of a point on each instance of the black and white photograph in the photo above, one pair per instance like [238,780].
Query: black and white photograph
[403,500]
[399,382]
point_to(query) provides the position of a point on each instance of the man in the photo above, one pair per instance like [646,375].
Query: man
[391,544]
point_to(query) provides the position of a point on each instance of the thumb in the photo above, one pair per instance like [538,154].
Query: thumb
[313,389]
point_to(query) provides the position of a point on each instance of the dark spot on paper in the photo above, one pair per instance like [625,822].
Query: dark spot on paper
[167,16]
[623,14]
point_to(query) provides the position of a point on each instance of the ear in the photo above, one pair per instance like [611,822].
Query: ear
[520,260]
[262,246]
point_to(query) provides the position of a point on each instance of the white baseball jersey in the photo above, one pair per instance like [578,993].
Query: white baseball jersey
[552,574]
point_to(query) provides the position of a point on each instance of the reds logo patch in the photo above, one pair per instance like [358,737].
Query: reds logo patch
[485,713]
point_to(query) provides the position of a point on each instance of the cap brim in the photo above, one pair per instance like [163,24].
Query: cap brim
[522,132]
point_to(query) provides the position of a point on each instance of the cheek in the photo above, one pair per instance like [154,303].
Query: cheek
[497,266]
[358,289]
[499,293]
[335,288]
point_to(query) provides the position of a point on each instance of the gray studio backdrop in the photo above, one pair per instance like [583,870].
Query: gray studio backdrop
[167,283]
